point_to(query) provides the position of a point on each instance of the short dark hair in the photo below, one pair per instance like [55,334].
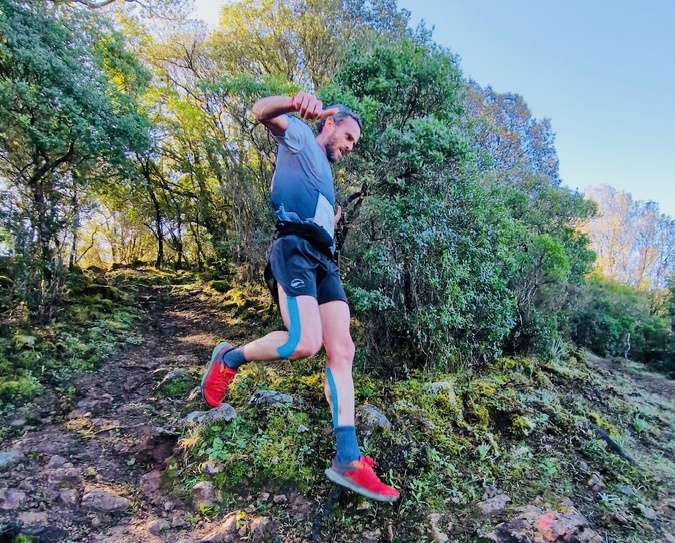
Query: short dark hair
[341,115]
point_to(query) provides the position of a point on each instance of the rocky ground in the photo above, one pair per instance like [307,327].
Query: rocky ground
[88,462]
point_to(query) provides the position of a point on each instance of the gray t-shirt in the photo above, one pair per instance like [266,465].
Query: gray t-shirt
[302,185]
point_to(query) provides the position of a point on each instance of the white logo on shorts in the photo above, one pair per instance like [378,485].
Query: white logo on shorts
[297,283]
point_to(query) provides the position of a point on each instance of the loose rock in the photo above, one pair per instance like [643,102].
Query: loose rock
[595,483]
[439,537]
[261,529]
[211,468]
[225,533]
[494,504]
[34,523]
[10,459]
[69,496]
[150,484]
[11,499]
[158,526]
[224,412]
[104,501]
[70,477]
[269,397]
[176,374]
[566,525]
[56,462]
[204,493]
[371,417]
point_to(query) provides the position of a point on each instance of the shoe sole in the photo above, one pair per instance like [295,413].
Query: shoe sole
[214,356]
[341,480]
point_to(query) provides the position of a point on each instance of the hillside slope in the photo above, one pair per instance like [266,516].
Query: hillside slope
[110,457]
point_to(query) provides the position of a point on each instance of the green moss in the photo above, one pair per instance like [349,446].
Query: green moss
[267,448]
[93,321]
[506,364]
[598,420]
[177,388]
[19,390]
[480,415]
[219,285]
[483,389]
[522,426]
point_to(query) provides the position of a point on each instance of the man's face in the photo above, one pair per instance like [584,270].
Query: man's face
[340,138]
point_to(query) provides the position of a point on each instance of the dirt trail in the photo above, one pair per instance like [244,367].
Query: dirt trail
[80,457]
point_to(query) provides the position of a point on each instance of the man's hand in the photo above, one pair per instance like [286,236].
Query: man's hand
[309,107]
[338,216]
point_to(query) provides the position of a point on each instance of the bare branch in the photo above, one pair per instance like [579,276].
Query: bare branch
[95,5]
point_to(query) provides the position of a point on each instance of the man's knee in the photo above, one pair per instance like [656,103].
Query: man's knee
[306,347]
[341,353]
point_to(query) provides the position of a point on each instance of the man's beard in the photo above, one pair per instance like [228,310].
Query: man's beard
[331,152]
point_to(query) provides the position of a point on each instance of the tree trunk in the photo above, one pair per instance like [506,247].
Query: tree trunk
[75,227]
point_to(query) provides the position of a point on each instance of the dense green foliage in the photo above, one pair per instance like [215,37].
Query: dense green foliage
[426,264]
[69,118]
[616,320]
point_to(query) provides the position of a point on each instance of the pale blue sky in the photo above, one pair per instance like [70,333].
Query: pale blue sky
[603,71]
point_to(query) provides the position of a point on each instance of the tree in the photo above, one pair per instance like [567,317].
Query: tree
[206,176]
[549,250]
[425,260]
[617,320]
[518,166]
[65,109]
[299,41]
[634,242]
[508,138]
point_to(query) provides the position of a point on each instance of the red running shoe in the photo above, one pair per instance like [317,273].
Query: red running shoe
[359,476]
[218,376]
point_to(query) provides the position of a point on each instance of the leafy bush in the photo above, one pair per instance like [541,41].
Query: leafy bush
[426,265]
[617,320]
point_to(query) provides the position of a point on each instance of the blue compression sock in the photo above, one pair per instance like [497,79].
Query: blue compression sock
[234,358]
[347,447]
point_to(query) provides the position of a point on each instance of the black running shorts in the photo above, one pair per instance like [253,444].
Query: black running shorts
[302,270]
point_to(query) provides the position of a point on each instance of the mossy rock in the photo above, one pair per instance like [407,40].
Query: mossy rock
[97,270]
[176,383]
[521,426]
[106,292]
[481,415]
[608,427]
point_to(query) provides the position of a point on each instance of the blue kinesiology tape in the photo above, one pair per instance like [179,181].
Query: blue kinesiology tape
[333,396]
[287,349]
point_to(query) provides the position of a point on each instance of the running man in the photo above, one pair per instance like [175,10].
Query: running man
[303,276]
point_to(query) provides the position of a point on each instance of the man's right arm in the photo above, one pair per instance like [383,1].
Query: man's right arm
[271,111]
